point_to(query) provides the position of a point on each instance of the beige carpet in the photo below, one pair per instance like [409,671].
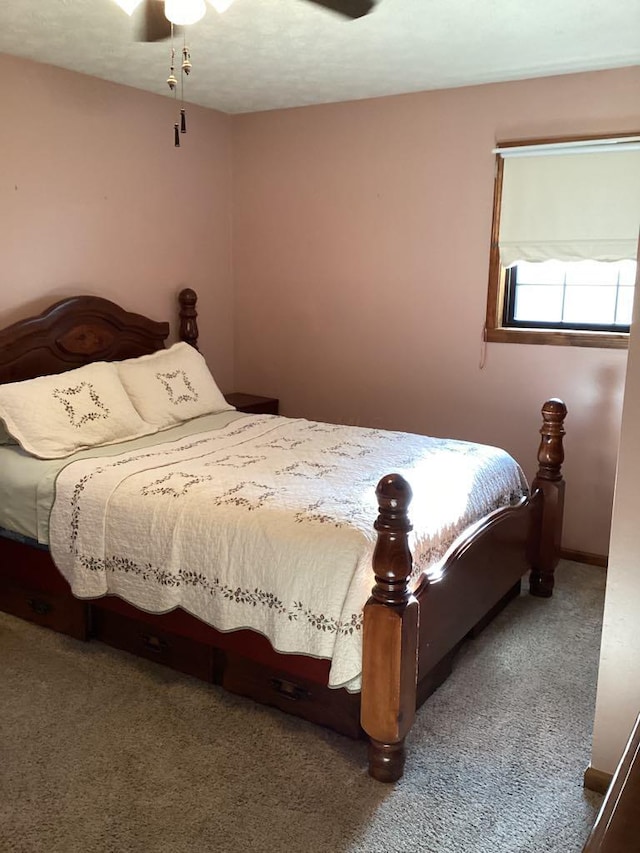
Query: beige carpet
[102,752]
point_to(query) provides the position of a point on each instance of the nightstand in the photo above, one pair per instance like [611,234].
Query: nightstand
[252,404]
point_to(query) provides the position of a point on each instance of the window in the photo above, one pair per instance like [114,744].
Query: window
[564,242]
[589,295]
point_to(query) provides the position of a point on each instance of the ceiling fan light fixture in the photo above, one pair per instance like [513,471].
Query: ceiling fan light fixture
[221,5]
[128,6]
[182,13]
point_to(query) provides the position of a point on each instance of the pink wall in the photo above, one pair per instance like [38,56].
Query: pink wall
[360,231]
[361,247]
[94,198]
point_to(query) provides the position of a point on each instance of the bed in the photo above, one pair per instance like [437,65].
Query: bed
[414,620]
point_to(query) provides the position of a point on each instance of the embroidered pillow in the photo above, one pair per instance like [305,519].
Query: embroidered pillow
[171,386]
[53,416]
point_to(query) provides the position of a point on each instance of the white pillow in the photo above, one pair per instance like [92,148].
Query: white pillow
[171,386]
[53,416]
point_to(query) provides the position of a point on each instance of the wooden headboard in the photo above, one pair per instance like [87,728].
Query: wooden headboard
[83,329]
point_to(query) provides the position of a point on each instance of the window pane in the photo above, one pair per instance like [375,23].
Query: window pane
[592,272]
[590,305]
[627,273]
[538,303]
[548,272]
[579,293]
[625,306]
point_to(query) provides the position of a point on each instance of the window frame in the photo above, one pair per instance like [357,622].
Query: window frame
[495,329]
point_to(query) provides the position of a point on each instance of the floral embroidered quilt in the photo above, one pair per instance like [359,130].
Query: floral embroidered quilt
[267,523]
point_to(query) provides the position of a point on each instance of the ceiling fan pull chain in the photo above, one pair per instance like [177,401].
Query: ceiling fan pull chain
[172,82]
[184,72]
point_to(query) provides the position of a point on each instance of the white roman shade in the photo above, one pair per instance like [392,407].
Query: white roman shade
[570,206]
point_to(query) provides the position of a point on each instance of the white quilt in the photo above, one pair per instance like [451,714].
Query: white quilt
[266,523]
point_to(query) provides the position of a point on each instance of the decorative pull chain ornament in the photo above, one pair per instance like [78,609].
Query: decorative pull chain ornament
[172,82]
[186,60]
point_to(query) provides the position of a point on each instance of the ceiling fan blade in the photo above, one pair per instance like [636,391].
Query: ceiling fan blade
[349,8]
[150,22]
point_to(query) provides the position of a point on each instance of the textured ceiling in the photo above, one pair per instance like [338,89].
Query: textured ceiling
[265,54]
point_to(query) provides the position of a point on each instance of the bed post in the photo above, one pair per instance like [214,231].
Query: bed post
[390,636]
[550,482]
[188,331]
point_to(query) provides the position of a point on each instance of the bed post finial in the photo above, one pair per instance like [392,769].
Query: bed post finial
[188,316]
[390,636]
[550,483]
[551,450]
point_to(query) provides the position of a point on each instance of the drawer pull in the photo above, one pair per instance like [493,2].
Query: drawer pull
[289,690]
[40,607]
[154,644]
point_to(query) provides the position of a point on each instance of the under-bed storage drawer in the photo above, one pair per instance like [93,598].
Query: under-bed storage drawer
[57,611]
[336,709]
[33,589]
[149,640]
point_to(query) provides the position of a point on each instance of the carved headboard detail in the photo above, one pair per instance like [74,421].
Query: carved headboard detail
[74,332]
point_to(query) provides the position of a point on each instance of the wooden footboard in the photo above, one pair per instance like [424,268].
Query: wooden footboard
[390,640]
[549,485]
[411,637]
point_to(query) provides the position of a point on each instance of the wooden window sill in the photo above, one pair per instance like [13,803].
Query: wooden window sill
[605,340]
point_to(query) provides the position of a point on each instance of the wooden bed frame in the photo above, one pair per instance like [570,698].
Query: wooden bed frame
[410,635]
